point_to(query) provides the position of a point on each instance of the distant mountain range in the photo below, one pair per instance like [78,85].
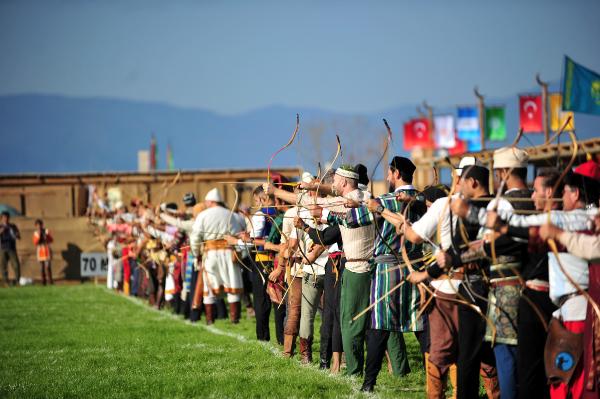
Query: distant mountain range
[51,133]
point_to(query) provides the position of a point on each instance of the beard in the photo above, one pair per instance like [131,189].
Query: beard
[391,187]
[335,190]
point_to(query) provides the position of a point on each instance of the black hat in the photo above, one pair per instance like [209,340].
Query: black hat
[479,173]
[361,169]
[189,199]
[171,205]
[403,165]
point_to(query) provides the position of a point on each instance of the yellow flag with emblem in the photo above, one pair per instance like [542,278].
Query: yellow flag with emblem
[557,116]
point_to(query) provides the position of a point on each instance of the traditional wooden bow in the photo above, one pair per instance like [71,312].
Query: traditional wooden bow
[385,150]
[289,143]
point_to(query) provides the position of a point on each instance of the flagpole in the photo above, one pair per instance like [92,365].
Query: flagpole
[429,152]
[544,86]
[481,110]
[429,110]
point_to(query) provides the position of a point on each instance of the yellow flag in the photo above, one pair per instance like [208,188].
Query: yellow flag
[558,117]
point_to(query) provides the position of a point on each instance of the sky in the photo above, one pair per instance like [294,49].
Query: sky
[232,57]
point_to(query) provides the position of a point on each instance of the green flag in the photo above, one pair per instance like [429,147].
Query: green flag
[495,123]
[581,89]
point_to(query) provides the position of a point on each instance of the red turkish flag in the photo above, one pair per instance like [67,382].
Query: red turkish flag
[530,109]
[417,133]
[459,148]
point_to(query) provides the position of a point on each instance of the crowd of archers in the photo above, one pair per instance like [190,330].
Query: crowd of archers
[500,291]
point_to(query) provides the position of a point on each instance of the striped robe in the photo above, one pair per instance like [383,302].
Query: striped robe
[398,311]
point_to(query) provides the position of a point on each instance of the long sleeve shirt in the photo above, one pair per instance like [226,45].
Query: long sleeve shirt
[582,245]
[185,225]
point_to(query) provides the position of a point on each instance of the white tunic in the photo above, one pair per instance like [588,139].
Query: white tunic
[220,273]
[437,218]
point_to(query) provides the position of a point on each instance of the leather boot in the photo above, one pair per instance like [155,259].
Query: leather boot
[389,363]
[324,358]
[289,344]
[452,376]
[336,360]
[490,381]
[435,382]
[210,314]
[234,312]
[305,350]
[323,363]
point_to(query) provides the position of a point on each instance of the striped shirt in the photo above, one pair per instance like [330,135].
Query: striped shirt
[387,242]
[396,311]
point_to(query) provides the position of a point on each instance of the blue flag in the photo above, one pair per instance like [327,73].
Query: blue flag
[581,89]
[474,144]
[467,124]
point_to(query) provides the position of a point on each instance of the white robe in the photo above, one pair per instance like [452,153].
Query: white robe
[219,272]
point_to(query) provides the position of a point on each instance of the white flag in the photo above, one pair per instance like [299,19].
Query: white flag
[444,131]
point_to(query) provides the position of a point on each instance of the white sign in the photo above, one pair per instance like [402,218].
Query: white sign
[94,264]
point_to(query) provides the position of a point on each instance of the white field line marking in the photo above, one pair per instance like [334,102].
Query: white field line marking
[353,382]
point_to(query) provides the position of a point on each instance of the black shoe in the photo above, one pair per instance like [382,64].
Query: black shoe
[323,364]
[367,388]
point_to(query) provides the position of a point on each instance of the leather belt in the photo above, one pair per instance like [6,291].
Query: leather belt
[385,258]
[538,285]
[358,260]
[506,281]
[504,270]
[565,298]
[215,244]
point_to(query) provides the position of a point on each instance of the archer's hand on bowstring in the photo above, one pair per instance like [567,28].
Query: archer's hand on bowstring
[396,219]
[404,197]
[373,205]
[307,186]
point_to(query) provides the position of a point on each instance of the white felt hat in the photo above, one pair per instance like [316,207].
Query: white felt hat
[510,157]
[213,195]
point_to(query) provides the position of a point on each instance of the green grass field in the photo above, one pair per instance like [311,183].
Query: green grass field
[85,341]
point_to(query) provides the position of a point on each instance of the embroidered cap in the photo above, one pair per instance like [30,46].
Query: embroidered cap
[510,157]
[350,174]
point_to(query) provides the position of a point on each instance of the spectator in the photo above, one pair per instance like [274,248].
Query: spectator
[42,240]
[9,234]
